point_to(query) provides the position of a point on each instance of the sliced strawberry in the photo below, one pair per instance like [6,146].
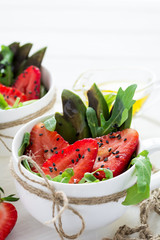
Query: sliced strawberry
[44,143]
[80,156]
[8,218]
[10,94]
[28,82]
[115,151]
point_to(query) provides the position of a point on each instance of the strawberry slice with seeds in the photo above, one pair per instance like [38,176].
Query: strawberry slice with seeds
[10,94]
[8,215]
[28,82]
[115,151]
[44,143]
[8,218]
[80,156]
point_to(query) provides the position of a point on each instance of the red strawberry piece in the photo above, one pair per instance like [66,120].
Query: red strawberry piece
[115,151]
[80,156]
[10,94]
[8,214]
[28,82]
[44,143]
[8,218]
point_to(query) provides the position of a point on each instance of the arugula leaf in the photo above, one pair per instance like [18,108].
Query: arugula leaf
[25,143]
[6,74]
[92,121]
[121,113]
[50,124]
[141,190]
[90,178]
[3,103]
[64,177]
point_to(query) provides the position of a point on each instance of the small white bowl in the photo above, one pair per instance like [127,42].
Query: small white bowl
[95,216]
[35,109]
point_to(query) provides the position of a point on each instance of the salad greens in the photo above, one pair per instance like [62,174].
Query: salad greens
[119,118]
[5,106]
[141,189]
[119,113]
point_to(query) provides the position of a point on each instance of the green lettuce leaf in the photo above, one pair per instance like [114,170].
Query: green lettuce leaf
[50,124]
[141,190]
[25,143]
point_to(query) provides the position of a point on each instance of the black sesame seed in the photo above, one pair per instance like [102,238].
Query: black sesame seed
[79,155]
[42,126]
[30,92]
[15,96]
[46,151]
[83,156]
[57,139]
[31,143]
[55,148]
[51,150]
[50,169]
[55,168]
[110,133]
[100,144]
[62,151]
[72,160]
[109,149]
[77,160]
[56,152]
[77,150]
[116,152]
[107,141]
[100,140]
[111,137]
[60,173]
[106,159]
[119,137]
[117,156]
[89,149]
[54,164]
[113,152]
[7,97]
[41,134]
[102,165]
[97,173]
[108,168]
[125,139]
[99,158]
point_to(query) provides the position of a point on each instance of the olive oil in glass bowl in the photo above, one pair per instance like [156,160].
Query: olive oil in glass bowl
[109,80]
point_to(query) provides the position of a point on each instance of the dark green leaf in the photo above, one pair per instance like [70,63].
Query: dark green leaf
[50,124]
[35,60]
[92,121]
[97,101]
[119,114]
[14,47]
[43,91]
[6,75]
[25,143]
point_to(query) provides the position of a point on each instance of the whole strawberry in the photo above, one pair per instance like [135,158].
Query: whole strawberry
[8,214]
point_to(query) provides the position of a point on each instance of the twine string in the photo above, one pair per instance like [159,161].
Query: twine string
[58,198]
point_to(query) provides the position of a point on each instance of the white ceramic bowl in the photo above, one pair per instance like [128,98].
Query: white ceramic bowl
[23,113]
[95,216]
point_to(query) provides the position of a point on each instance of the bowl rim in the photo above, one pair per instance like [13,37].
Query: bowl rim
[119,68]
[15,159]
[49,92]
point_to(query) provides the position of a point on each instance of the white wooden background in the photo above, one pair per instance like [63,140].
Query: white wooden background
[81,35]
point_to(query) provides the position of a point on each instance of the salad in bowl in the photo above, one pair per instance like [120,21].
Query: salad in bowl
[25,87]
[88,156]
